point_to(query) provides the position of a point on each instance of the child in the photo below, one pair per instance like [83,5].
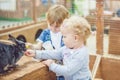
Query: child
[74,54]
[51,37]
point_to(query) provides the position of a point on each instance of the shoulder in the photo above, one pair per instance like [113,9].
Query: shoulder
[46,31]
[45,35]
[82,53]
[63,48]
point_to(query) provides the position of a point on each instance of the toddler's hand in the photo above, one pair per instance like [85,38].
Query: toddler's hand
[48,62]
[30,53]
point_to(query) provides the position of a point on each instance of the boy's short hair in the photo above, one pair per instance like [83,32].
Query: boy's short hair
[56,14]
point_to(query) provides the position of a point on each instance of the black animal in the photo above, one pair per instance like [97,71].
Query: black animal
[10,54]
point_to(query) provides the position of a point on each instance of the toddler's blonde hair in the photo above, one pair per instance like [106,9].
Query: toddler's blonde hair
[78,25]
[57,14]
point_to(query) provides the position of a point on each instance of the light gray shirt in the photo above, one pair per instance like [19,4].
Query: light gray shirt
[75,62]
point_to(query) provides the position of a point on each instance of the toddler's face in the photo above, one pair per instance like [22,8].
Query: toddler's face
[68,38]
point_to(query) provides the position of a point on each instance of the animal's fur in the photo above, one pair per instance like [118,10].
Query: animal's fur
[10,54]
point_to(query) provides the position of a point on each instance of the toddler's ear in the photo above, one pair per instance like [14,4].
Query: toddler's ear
[76,37]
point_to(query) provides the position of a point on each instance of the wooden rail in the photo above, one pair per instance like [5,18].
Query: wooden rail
[28,32]
[95,66]
[12,27]
[92,20]
[29,69]
[114,36]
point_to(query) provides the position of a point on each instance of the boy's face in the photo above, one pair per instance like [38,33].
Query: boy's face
[53,28]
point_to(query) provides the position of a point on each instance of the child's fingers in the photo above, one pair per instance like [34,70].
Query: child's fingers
[28,45]
[44,62]
[27,53]
[47,62]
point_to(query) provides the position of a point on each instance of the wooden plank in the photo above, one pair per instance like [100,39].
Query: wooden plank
[92,20]
[29,69]
[34,11]
[110,68]
[93,58]
[95,67]
[114,37]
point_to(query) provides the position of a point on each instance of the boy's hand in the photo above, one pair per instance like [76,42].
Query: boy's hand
[48,62]
[29,45]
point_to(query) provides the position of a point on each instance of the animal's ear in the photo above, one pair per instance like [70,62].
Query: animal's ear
[11,38]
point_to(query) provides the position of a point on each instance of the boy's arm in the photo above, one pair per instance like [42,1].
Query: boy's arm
[43,37]
[37,46]
[39,40]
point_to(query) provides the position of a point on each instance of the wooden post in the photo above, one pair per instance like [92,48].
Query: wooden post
[65,3]
[111,6]
[34,11]
[100,26]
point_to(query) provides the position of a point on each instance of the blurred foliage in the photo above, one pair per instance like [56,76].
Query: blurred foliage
[16,19]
